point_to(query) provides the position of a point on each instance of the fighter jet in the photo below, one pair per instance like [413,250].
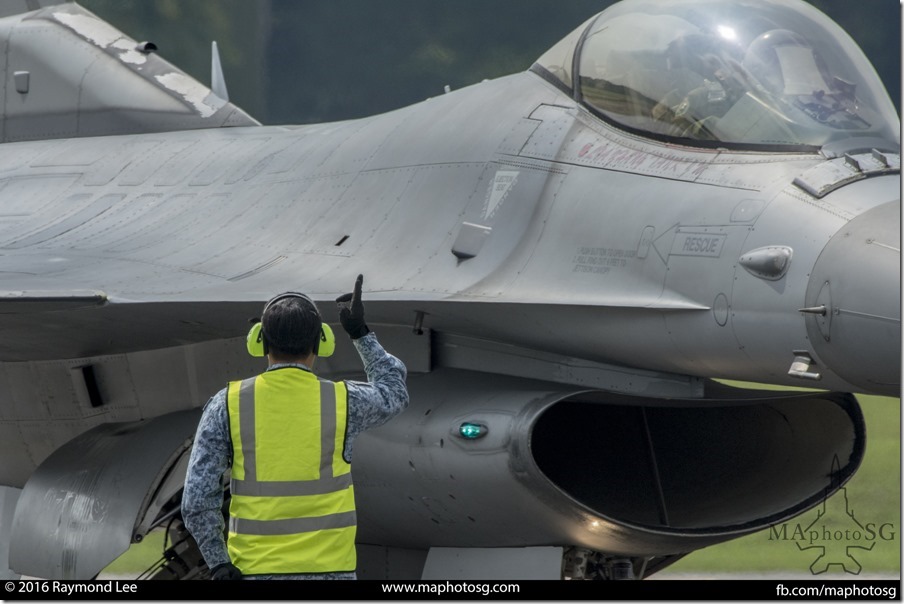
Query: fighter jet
[583,266]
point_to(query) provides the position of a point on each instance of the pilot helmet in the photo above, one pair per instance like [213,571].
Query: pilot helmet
[700,53]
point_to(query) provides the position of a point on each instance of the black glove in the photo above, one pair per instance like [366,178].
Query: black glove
[351,312]
[225,572]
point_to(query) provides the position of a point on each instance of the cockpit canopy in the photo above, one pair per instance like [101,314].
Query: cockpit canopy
[737,73]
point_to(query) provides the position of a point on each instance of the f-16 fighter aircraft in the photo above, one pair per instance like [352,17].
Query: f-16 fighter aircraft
[577,263]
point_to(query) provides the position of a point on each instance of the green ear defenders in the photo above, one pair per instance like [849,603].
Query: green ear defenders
[257,345]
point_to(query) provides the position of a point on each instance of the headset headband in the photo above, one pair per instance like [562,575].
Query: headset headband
[287,295]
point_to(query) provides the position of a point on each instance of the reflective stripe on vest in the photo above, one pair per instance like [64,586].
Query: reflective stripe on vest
[292,509]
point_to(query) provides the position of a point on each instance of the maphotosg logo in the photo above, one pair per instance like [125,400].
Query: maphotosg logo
[835,536]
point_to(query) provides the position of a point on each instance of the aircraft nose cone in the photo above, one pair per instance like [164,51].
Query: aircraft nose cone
[857,278]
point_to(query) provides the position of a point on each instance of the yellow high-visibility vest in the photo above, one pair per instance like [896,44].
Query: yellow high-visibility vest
[293,503]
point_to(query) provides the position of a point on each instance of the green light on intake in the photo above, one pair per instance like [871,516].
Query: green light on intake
[472,431]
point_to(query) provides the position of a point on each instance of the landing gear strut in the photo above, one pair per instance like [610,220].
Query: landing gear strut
[581,564]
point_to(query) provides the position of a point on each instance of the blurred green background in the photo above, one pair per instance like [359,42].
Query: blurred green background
[304,61]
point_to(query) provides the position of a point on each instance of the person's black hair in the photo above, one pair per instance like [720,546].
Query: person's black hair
[291,327]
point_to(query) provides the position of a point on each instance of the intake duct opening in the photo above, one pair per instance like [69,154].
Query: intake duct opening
[739,458]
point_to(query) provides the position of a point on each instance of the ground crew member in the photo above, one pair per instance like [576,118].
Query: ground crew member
[292,508]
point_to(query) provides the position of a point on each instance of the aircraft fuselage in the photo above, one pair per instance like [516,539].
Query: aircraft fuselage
[555,232]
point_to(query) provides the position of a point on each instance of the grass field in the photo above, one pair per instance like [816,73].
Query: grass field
[873,497]
[139,558]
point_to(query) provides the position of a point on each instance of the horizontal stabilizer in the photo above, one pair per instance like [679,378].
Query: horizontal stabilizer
[15,7]
[76,75]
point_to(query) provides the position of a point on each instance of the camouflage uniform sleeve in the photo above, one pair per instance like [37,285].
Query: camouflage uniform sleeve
[382,397]
[202,500]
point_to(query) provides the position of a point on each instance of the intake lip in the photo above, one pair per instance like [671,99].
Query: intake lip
[697,471]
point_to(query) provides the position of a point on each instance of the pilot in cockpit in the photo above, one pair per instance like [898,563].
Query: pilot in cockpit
[779,69]
[706,80]
[754,74]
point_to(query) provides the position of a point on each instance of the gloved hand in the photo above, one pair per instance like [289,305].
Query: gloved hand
[225,572]
[351,312]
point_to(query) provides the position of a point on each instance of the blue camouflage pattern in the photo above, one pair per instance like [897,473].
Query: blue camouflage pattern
[370,404]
